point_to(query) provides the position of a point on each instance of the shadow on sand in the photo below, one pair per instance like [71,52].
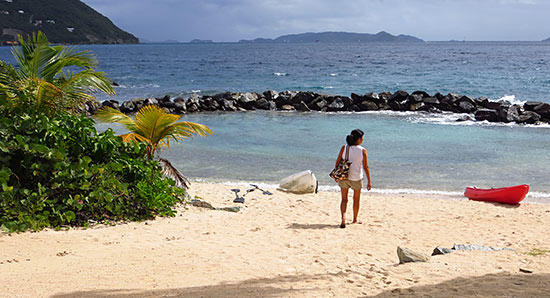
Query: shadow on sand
[298,226]
[490,285]
[282,286]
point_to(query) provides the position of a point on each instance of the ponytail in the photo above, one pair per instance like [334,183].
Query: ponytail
[355,135]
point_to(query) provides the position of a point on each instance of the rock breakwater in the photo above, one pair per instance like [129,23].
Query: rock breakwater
[480,109]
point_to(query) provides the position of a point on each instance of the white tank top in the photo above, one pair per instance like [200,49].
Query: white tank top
[356,158]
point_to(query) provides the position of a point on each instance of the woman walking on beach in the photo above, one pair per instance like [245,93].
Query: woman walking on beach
[357,155]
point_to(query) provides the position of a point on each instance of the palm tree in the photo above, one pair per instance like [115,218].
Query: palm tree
[156,128]
[44,79]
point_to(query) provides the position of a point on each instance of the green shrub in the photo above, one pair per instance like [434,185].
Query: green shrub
[57,171]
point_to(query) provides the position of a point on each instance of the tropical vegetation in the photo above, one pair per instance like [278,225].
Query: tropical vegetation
[56,170]
[156,128]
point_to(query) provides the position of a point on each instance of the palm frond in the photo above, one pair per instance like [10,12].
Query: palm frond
[170,171]
[108,114]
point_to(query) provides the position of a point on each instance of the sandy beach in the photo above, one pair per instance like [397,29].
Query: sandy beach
[287,245]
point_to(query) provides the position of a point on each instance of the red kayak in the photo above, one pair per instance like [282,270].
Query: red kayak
[506,195]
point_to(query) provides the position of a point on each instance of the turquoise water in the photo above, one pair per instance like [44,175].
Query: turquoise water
[408,152]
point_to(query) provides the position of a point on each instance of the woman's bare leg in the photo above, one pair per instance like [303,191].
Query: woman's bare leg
[356,199]
[343,206]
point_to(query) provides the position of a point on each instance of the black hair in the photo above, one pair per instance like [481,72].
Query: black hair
[355,135]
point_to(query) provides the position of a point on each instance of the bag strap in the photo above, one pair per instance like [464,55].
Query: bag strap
[347,153]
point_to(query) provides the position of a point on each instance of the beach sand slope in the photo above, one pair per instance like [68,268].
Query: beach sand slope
[286,245]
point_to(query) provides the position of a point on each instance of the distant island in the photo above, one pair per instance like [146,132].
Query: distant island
[338,37]
[63,21]
[546,40]
[201,41]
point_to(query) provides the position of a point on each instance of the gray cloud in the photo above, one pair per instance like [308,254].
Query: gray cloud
[231,20]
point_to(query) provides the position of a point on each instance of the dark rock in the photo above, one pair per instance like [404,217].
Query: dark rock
[192,104]
[138,103]
[228,105]
[383,98]
[128,107]
[288,108]
[376,98]
[414,98]
[284,98]
[439,96]
[305,97]
[423,94]
[180,107]
[543,110]
[466,104]
[248,100]
[348,102]
[271,95]
[453,97]
[530,105]
[509,113]
[208,103]
[431,100]
[336,105]
[486,103]
[167,104]
[399,96]
[406,256]
[205,103]
[486,114]
[221,96]
[368,105]
[528,117]
[357,98]
[399,101]
[318,104]
[115,84]
[441,251]
[302,107]
[417,106]
[448,103]
[111,103]
[263,104]
[150,101]
[163,100]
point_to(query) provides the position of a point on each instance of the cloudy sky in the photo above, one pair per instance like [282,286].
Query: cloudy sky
[232,20]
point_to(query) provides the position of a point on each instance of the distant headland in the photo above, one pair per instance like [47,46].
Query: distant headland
[328,37]
[337,37]
[546,40]
[63,21]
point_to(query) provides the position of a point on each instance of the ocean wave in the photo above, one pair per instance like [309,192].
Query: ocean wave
[446,118]
[333,74]
[511,99]
[280,74]
[140,86]
[532,197]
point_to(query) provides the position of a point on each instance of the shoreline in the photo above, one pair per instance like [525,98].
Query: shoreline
[532,197]
[286,245]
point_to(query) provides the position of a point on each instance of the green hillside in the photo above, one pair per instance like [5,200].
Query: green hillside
[63,21]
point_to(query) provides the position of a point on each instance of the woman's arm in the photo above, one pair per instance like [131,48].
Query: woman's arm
[366,167]
[339,156]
